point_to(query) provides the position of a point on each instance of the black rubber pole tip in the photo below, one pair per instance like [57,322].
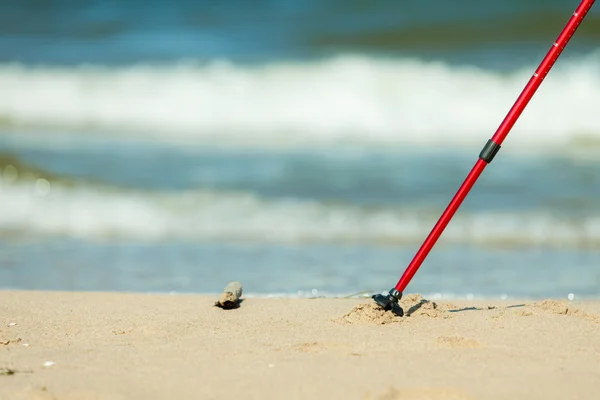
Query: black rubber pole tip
[389,302]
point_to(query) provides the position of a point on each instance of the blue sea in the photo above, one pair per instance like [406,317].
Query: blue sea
[304,148]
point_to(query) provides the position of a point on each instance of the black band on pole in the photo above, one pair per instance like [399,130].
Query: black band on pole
[489,151]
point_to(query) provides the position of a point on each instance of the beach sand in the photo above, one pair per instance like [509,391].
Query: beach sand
[133,346]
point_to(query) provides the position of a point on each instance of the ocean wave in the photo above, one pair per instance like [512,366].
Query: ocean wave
[13,168]
[39,208]
[345,98]
[482,24]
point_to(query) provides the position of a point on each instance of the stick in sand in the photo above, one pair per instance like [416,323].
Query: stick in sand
[230,298]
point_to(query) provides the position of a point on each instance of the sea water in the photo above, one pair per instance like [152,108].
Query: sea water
[304,148]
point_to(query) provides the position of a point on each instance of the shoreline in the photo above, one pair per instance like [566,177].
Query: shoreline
[362,295]
[98,345]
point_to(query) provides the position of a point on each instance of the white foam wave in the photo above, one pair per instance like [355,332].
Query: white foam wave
[351,97]
[100,213]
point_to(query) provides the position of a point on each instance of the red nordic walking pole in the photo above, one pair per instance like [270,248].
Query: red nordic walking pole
[390,301]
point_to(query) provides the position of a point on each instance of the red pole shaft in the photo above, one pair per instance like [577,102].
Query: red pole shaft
[494,144]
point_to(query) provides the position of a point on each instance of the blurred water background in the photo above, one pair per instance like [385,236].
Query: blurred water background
[302,147]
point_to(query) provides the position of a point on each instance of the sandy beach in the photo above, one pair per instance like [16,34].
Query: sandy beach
[58,345]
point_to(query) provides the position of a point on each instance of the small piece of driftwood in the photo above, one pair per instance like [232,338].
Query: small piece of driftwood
[230,298]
